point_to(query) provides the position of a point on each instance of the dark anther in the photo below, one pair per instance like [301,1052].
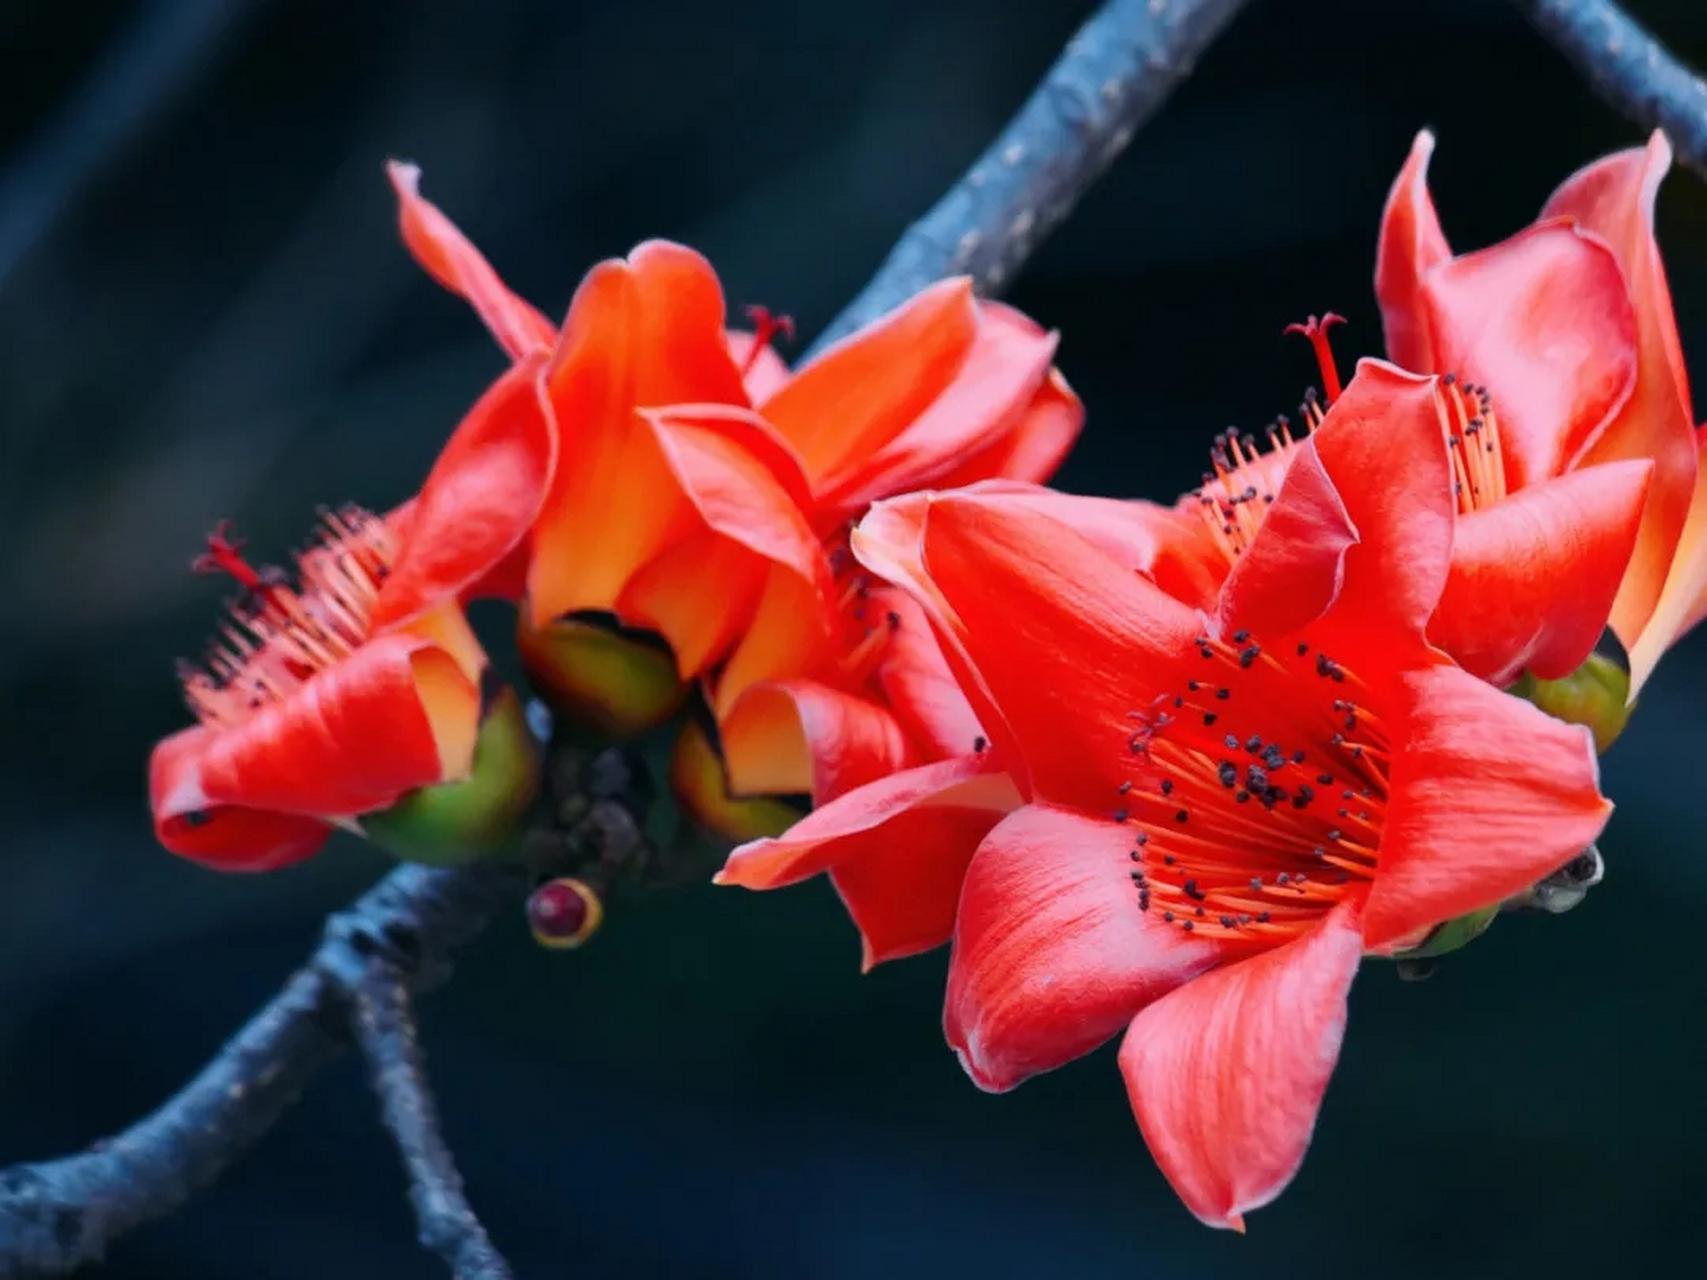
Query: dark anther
[1303,649]
[1168,916]
[1124,787]
[1120,815]
[1231,742]
[1186,926]
[980,743]
[1227,922]
[1248,656]
[1239,637]
[1209,717]
[1228,774]
[1167,786]
[1254,745]
[1193,892]
[1181,816]
[193,818]
[1262,917]
[1167,859]
[1223,694]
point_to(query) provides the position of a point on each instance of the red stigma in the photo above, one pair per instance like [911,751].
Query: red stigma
[766,328]
[224,555]
[1317,333]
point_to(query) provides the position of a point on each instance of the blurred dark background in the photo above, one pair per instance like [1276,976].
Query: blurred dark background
[204,312]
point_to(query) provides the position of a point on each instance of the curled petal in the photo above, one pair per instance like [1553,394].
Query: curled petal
[1488,796]
[479,500]
[798,736]
[1544,320]
[1034,449]
[858,397]
[1226,1074]
[1411,244]
[1052,955]
[446,254]
[225,837]
[1684,601]
[395,715]
[1503,611]
[1614,199]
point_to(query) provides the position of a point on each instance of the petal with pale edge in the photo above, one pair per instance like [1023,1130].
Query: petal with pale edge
[1503,611]
[1052,955]
[1487,796]
[478,501]
[800,736]
[1383,448]
[1411,244]
[1063,640]
[395,715]
[1543,320]
[1684,600]
[897,849]
[446,254]
[856,398]
[1614,198]
[1226,1074]
[820,840]
[1035,448]
[987,400]
[224,837]
[1294,567]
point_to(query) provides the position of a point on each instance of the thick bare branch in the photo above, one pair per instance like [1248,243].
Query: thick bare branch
[1630,69]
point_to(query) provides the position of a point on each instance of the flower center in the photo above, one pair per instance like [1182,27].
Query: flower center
[1257,793]
[766,329]
[1473,437]
[1237,493]
[276,636]
[865,622]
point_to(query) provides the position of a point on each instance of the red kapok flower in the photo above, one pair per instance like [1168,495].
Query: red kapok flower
[1568,328]
[821,696]
[1226,808]
[673,502]
[351,693]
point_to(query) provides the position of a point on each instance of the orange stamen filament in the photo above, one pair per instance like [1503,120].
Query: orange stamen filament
[1236,494]
[1473,438]
[1258,793]
[278,636]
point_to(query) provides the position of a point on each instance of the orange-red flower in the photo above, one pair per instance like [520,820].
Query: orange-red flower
[1567,326]
[1215,811]
[333,695]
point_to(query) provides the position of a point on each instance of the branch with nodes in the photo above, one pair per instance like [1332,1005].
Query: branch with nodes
[1630,69]
[398,938]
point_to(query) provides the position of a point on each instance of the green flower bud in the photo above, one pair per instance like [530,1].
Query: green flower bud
[602,676]
[1596,694]
[1451,935]
[476,817]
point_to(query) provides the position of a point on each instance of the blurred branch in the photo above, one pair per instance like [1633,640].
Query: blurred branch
[1114,74]
[58,1214]
[384,1023]
[1630,69]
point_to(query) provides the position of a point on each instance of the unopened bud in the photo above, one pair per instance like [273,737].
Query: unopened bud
[1596,694]
[594,673]
[1445,938]
[461,821]
[701,785]
[563,913]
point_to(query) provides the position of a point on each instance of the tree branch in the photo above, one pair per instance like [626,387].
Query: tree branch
[1630,69]
[59,1214]
[1115,72]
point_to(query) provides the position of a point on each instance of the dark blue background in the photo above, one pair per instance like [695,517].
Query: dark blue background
[204,312]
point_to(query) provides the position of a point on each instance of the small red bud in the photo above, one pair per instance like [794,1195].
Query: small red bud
[564,913]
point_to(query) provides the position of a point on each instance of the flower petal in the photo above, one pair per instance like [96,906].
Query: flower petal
[1383,448]
[856,398]
[1003,372]
[919,685]
[1411,244]
[1294,567]
[395,715]
[1544,321]
[897,851]
[446,254]
[698,594]
[797,737]
[763,371]
[1614,199]
[1503,610]
[1053,641]
[1035,448]
[1226,1074]
[1488,795]
[479,500]
[225,837]
[1683,603]
[1052,955]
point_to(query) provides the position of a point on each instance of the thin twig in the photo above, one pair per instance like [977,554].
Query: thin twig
[59,1214]
[1114,74]
[384,1024]
[1630,69]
